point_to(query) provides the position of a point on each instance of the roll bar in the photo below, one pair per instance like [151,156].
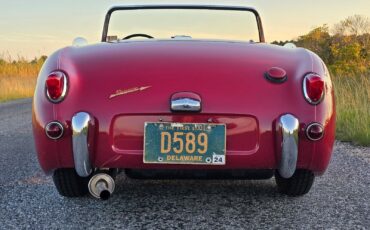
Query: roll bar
[180,7]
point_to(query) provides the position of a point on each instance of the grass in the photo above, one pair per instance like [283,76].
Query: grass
[353,108]
[18,79]
[15,88]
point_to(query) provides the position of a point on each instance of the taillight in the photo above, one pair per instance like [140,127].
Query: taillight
[313,88]
[56,86]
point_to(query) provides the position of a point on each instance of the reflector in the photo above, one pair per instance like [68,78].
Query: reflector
[54,130]
[276,75]
[315,131]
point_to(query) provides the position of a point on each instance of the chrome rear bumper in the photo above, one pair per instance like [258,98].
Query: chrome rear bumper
[287,138]
[80,126]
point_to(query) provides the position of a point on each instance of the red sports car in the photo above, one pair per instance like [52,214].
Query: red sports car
[183,91]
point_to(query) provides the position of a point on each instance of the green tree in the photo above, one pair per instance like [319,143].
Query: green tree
[317,40]
[350,45]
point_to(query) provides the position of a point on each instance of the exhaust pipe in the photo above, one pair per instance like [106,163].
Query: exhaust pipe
[101,186]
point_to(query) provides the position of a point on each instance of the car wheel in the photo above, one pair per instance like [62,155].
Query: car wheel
[299,184]
[69,184]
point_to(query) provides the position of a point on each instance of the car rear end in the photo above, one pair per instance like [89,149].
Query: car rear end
[112,100]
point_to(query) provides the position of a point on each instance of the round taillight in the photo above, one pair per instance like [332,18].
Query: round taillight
[313,88]
[314,131]
[54,130]
[56,86]
[276,75]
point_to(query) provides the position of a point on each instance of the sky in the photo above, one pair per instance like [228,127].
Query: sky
[39,27]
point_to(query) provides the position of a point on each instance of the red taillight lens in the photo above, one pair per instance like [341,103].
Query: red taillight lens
[56,86]
[313,87]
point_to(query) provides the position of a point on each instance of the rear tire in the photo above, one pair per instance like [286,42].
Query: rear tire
[69,184]
[299,184]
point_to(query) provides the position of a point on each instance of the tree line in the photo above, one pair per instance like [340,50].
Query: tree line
[345,47]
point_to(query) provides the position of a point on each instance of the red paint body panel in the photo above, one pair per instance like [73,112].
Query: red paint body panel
[242,131]
[229,78]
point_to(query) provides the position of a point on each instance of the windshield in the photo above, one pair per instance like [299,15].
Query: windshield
[183,24]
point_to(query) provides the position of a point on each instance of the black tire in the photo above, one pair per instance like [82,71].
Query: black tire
[69,184]
[299,184]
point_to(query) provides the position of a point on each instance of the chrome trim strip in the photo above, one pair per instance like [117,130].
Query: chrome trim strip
[186,104]
[54,123]
[308,99]
[81,156]
[289,127]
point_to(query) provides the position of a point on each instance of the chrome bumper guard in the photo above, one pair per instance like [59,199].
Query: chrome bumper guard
[288,127]
[80,127]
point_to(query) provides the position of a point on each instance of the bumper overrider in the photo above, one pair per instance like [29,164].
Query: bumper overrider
[81,123]
[101,185]
[287,144]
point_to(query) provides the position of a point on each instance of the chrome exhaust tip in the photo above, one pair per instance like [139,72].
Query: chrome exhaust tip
[101,186]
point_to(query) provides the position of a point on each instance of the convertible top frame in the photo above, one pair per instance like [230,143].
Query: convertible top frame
[190,7]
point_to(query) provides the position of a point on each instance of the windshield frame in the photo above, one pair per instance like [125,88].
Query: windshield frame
[182,7]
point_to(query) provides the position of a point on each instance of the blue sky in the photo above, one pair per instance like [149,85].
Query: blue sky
[32,28]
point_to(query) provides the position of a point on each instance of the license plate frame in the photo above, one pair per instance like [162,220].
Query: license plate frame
[214,153]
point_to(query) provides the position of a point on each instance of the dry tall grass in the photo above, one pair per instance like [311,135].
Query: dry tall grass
[14,88]
[18,78]
[353,108]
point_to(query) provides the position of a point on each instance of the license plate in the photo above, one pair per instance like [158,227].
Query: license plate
[184,143]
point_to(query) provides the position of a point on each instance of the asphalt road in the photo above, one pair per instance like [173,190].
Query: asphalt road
[338,200]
